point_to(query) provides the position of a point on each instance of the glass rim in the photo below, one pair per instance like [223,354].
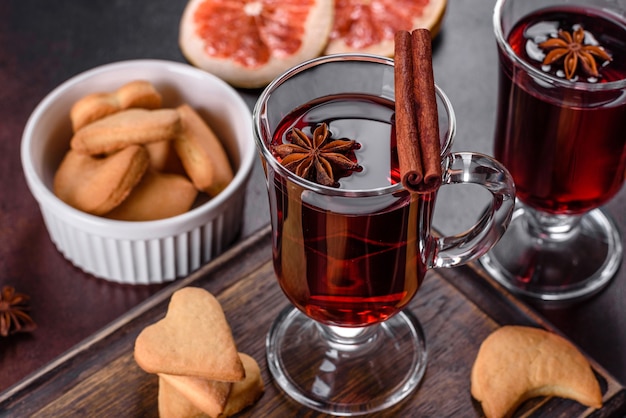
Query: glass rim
[258,112]
[536,73]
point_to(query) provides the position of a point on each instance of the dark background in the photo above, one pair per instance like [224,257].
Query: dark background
[43,43]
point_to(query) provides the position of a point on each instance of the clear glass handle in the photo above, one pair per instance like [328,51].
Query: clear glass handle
[468,167]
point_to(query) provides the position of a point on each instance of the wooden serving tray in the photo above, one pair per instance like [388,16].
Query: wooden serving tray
[458,308]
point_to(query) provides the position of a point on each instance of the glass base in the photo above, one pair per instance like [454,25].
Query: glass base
[346,371]
[553,266]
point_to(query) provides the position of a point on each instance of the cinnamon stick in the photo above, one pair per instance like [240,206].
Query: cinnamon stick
[417,121]
[407,137]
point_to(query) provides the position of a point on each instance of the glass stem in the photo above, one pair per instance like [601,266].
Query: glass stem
[349,338]
[551,227]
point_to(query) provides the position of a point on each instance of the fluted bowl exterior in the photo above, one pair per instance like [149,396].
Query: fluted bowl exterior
[152,251]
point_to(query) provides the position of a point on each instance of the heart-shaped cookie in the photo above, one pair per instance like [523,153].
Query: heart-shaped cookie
[97,185]
[127,127]
[95,106]
[202,153]
[194,339]
[209,396]
[184,396]
[156,196]
[248,391]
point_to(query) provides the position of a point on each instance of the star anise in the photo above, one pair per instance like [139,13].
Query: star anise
[572,48]
[315,158]
[13,316]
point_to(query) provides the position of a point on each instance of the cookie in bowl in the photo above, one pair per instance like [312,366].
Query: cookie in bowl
[138,251]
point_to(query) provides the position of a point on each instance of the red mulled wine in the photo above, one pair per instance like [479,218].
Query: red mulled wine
[349,261]
[564,146]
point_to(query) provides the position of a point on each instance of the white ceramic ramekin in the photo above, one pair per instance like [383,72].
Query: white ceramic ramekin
[140,252]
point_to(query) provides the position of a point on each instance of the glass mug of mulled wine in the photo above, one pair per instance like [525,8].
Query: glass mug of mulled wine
[561,132]
[351,255]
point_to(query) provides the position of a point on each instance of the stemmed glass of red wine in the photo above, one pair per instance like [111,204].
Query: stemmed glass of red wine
[561,132]
[351,253]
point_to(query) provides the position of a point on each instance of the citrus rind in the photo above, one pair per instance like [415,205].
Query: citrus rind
[313,39]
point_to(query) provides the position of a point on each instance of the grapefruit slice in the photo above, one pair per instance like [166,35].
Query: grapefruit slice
[369,26]
[248,43]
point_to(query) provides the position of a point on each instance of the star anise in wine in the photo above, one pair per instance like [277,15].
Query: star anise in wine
[13,316]
[572,49]
[316,158]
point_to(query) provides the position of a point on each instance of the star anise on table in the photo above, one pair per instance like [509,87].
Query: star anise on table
[572,49]
[316,158]
[13,316]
